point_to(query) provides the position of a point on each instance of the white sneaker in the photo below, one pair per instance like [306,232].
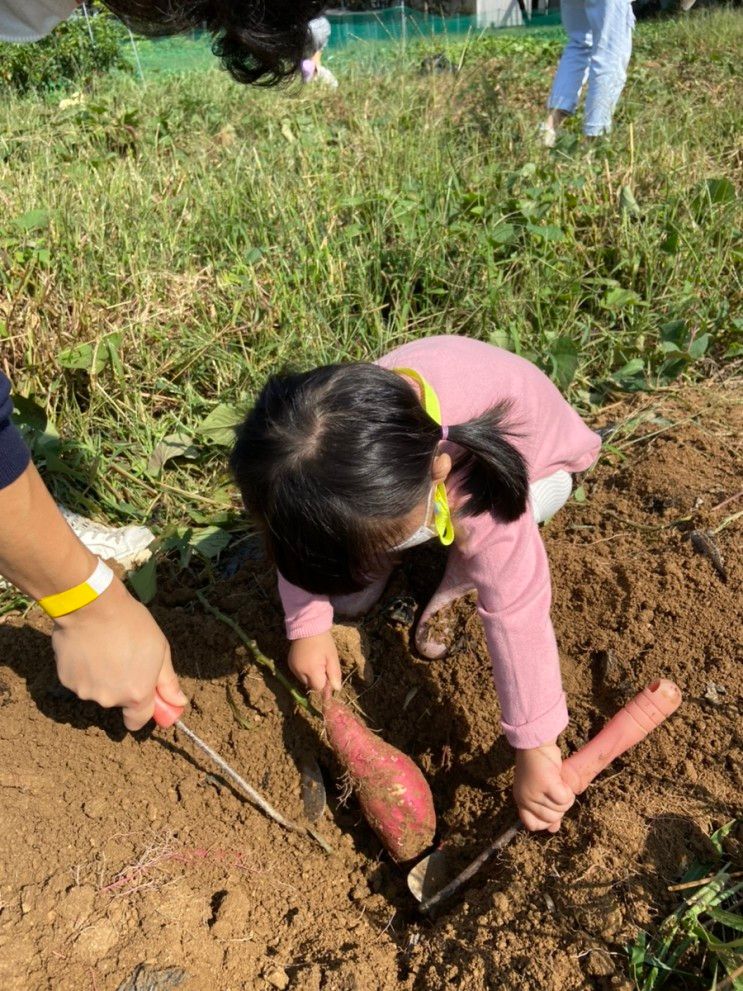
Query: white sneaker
[548,135]
[127,545]
[324,75]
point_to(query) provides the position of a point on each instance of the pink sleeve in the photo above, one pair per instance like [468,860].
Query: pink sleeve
[511,573]
[305,614]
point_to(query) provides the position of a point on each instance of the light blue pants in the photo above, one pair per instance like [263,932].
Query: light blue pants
[599,49]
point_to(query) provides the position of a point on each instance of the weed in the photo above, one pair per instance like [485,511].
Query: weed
[701,942]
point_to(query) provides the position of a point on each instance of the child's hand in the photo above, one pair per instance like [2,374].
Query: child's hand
[541,795]
[314,661]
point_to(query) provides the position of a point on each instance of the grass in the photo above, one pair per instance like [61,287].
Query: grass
[700,945]
[164,247]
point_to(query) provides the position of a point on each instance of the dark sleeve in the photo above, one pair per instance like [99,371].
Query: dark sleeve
[14,456]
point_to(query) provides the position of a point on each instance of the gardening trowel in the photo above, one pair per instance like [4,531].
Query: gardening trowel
[428,879]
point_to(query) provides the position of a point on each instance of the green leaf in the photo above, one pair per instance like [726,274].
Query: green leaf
[564,356]
[672,368]
[720,834]
[699,346]
[500,339]
[631,376]
[210,541]
[219,426]
[729,919]
[92,357]
[627,202]
[675,332]
[713,192]
[173,446]
[28,413]
[34,220]
[144,581]
[670,243]
[720,190]
[502,234]
[550,232]
[620,299]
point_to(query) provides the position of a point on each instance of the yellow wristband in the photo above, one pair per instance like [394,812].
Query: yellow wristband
[81,595]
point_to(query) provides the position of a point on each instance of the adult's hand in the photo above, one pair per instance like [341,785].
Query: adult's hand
[112,650]
[114,653]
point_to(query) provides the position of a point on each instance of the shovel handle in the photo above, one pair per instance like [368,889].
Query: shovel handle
[166,714]
[631,724]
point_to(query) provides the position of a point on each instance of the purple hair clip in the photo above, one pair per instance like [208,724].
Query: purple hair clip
[444,433]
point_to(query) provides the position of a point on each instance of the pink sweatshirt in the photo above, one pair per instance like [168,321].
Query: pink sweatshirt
[506,562]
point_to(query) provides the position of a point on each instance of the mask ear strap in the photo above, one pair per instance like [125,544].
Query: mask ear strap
[442,513]
[442,516]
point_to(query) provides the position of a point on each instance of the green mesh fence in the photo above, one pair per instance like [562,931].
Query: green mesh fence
[403,24]
[356,36]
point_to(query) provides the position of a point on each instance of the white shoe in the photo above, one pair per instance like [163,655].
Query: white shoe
[548,135]
[549,494]
[324,75]
[127,545]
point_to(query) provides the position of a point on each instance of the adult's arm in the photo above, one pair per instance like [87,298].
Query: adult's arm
[110,651]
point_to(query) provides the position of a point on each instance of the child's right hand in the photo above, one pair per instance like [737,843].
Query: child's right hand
[314,661]
[542,797]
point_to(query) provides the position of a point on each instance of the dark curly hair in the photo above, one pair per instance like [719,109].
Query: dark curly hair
[258,41]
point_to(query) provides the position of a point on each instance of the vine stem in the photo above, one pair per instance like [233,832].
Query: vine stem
[259,656]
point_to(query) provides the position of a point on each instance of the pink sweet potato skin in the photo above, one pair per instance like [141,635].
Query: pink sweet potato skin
[393,794]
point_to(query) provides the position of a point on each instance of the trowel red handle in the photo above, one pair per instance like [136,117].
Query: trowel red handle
[631,724]
[166,714]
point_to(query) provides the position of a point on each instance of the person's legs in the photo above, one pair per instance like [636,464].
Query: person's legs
[573,66]
[612,22]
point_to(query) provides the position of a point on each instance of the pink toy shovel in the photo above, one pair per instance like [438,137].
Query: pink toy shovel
[631,724]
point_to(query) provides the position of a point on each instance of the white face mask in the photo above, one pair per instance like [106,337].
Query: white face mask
[30,20]
[424,532]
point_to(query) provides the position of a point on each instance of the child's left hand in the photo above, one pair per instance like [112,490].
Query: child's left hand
[541,795]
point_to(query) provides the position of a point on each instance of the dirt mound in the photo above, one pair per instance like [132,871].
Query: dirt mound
[121,852]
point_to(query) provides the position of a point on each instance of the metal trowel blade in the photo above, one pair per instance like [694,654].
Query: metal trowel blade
[430,874]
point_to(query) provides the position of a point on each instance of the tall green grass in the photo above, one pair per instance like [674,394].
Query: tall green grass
[193,236]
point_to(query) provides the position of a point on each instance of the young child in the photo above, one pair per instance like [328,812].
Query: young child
[318,36]
[447,439]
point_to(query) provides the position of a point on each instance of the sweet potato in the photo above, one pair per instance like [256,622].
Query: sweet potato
[393,794]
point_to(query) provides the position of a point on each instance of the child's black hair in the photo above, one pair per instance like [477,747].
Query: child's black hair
[331,461]
[257,40]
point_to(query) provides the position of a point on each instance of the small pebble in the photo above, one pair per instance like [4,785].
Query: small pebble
[278,978]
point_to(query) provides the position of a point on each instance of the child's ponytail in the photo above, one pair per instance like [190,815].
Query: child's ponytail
[495,477]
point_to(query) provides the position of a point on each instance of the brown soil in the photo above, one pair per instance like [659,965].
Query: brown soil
[117,850]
